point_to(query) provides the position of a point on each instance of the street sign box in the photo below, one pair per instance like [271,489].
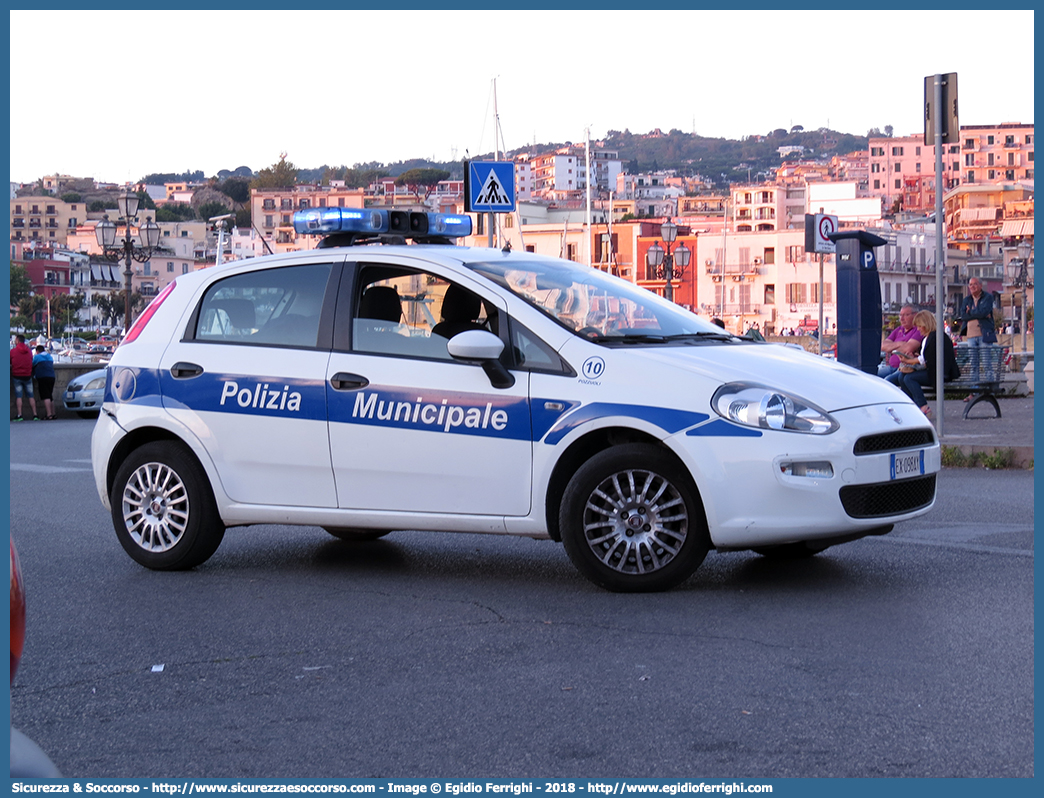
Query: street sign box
[489,186]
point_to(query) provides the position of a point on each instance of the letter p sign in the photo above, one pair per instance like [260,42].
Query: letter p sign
[869,262]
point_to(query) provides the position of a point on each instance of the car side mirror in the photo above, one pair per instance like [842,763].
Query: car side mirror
[484,348]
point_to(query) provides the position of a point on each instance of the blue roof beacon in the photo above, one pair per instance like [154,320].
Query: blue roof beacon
[367,225]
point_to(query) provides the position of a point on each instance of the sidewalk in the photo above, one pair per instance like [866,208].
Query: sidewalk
[981,432]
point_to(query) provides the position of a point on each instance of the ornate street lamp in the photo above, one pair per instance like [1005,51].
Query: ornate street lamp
[666,265]
[125,250]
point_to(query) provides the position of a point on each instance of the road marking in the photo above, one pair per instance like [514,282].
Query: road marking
[42,469]
[949,544]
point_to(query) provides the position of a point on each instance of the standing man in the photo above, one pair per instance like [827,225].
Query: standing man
[22,375]
[903,340]
[977,314]
[43,371]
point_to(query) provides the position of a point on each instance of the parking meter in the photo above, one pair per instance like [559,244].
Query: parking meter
[858,299]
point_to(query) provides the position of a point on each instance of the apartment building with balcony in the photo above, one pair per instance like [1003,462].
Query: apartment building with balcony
[45,220]
[853,167]
[996,153]
[892,160]
[272,210]
[906,265]
[984,154]
[974,213]
[762,277]
[756,207]
[654,194]
[556,175]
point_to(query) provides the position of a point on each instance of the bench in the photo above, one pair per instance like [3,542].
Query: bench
[984,387]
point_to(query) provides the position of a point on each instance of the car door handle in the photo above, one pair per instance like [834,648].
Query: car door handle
[182,370]
[348,382]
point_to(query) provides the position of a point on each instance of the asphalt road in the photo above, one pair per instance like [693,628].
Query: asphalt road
[292,654]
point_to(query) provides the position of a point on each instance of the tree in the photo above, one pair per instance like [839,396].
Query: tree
[888,130]
[362,175]
[20,284]
[209,210]
[64,309]
[71,196]
[175,212]
[425,178]
[102,205]
[31,305]
[236,189]
[111,307]
[280,175]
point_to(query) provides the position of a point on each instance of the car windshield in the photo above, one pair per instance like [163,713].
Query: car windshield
[595,304]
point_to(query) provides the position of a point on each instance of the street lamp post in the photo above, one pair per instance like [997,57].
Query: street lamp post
[125,250]
[668,266]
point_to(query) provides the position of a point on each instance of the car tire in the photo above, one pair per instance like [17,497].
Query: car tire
[353,534]
[87,414]
[632,520]
[163,508]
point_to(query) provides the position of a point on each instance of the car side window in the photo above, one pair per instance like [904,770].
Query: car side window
[273,307]
[533,354]
[414,313]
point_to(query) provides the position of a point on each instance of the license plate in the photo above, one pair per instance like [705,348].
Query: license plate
[910,464]
[70,395]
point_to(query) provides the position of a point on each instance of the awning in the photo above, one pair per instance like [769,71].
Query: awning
[1017,227]
[979,214]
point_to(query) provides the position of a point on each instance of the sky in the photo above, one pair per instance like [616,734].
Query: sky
[213,90]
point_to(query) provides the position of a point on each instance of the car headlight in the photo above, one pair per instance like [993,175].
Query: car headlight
[765,408]
[96,384]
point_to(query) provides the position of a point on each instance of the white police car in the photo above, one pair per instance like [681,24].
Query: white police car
[365,389]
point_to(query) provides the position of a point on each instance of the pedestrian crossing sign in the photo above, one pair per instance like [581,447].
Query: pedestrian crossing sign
[489,186]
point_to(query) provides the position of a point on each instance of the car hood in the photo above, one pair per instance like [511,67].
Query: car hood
[826,383]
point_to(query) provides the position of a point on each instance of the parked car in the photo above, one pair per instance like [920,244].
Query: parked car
[366,389]
[28,761]
[85,394]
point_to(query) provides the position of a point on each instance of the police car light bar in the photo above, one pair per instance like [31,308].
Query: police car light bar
[367,224]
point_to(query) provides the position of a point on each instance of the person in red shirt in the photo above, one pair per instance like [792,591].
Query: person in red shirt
[22,375]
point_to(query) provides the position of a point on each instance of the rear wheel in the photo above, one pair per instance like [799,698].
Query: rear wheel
[632,521]
[352,534]
[163,508]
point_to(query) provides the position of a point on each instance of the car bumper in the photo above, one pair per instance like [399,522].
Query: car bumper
[83,401]
[754,497]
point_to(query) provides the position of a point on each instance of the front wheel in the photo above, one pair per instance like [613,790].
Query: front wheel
[632,521]
[163,508]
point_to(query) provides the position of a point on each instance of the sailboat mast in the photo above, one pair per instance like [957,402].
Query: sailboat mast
[496,155]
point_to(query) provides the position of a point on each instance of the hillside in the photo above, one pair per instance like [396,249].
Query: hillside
[720,160]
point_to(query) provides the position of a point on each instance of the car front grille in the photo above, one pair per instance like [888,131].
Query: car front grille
[888,498]
[889,441]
